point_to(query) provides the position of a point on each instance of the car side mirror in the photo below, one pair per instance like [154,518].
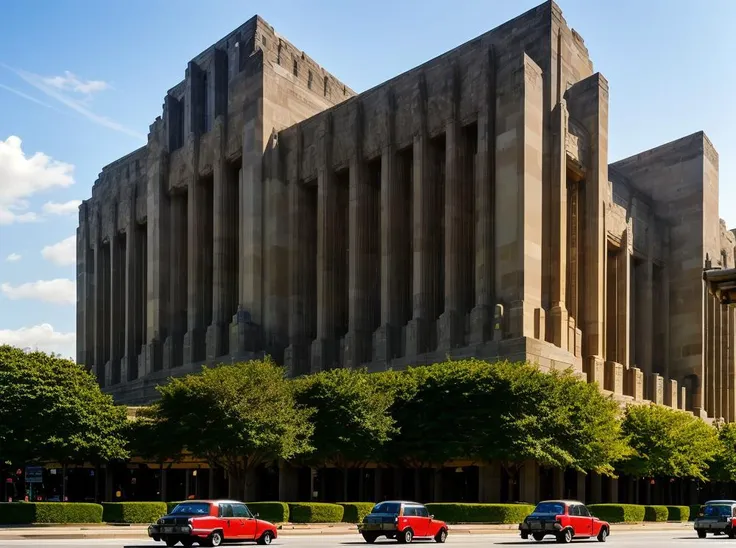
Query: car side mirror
[431,516]
[257,515]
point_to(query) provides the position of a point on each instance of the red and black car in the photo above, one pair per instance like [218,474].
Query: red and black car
[403,521]
[210,523]
[564,520]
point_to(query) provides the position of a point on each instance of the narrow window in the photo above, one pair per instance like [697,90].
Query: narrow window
[309,79]
[325,88]
[295,68]
[278,55]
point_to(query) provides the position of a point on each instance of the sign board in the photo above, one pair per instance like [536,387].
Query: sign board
[34,474]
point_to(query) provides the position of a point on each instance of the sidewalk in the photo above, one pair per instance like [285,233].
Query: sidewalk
[78,532]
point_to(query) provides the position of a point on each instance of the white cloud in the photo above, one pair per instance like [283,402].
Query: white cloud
[54,87]
[22,176]
[58,291]
[65,208]
[43,337]
[63,253]
[71,83]
[13,258]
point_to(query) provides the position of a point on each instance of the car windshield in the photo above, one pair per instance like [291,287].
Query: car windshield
[717,510]
[191,509]
[386,508]
[555,508]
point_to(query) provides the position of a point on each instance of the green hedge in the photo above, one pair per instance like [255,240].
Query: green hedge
[315,512]
[618,513]
[21,513]
[479,513]
[356,511]
[655,513]
[678,513]
[133,512]
[695,509]
[275,512]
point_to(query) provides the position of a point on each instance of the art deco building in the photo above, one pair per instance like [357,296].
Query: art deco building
[466,208]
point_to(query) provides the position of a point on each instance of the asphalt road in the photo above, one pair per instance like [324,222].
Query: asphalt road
[662,539]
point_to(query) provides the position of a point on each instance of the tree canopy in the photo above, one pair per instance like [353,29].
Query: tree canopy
[667,442]
[53,409]
[350,418]
[236,416]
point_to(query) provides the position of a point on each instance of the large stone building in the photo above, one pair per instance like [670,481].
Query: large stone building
[466,207]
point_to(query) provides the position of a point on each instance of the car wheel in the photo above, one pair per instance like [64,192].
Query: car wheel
[187,543]
[538,536]
[701,533]
[215,539]
[266,538]
[441,537]
[370,538]
[602,534]
[171,541]
[405,536]
[565,536]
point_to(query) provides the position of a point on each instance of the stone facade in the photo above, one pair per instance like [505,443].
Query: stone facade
[463,208]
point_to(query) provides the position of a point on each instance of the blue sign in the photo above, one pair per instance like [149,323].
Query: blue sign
[34,474]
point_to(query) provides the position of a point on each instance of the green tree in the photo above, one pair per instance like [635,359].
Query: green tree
[351,422]
[667,442]
[53,409]
[235,416]
[723,468]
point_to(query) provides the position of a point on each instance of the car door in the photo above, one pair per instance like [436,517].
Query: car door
[424,520]
[586,516]
[581,522]
[230,526]
[246,520]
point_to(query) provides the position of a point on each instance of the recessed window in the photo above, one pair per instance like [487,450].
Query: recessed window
[325,87]
[310,77]
[295,68]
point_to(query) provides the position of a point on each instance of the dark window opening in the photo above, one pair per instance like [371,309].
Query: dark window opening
[310,77]
[295,68]
[325,87]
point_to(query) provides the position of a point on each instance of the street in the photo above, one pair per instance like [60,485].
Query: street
[684,539]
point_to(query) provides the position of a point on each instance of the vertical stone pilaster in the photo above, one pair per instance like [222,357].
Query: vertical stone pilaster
[645,300]
[623,297]
[558,316]
[518,206]
[158,264]
[529,482]
[83,287]
[117,299]
[387,338]
[133,297]
[194,339]
[588,104]
[324,348]
[99,309]
[481,317]
[358,338]
[222,247]
[417,330]
[489,483]
[178,252]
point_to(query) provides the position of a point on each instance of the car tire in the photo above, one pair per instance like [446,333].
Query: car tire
[441,536]
[701,533]
[215,539]
[266,538]
[370,538]
[602,534]
[171,541]
[538,536]
[565,536]
[187,543]
[405,536]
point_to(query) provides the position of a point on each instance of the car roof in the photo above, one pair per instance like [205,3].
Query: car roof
[207,501]
[720,502]
[566,502]
[401,502]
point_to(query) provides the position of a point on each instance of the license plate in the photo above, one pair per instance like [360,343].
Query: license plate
[372,526]
[536,525]
[167,529]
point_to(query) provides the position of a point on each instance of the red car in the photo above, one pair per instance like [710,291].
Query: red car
[210,523]
[565,520]
[403,521]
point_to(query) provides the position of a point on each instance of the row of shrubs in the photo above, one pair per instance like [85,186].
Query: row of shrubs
[17,513]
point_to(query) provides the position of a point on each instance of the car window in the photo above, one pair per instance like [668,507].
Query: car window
[410,511]
[574,510]
[191,509]
[386,508]
[584,511]
[717,510]
[554,508]
[240,511]
[248,513]
[422,511]
[226,511]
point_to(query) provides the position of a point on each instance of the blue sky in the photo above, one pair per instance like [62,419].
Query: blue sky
[80,82]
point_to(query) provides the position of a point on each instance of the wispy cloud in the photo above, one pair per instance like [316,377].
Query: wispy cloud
[13,258]
[25,96]
[65,208]
[56,92]
[70,82]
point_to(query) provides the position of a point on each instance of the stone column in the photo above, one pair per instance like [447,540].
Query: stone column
[360,219]
[223,202]
[117,307]
[451,322]
[580,487]
[623,295]
[489,483]
[158,263]
[133,291]
[99,310]
[194,339]
[84,297]
[518,207]
[417,330]
[559,316]
[529,482]
[324,350]
[588,104]
[387,338]
[644,291]
[288,482]
[178,252]
[481,319]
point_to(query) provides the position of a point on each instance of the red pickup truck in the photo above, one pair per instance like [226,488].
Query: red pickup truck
[565,520]
[210,523]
